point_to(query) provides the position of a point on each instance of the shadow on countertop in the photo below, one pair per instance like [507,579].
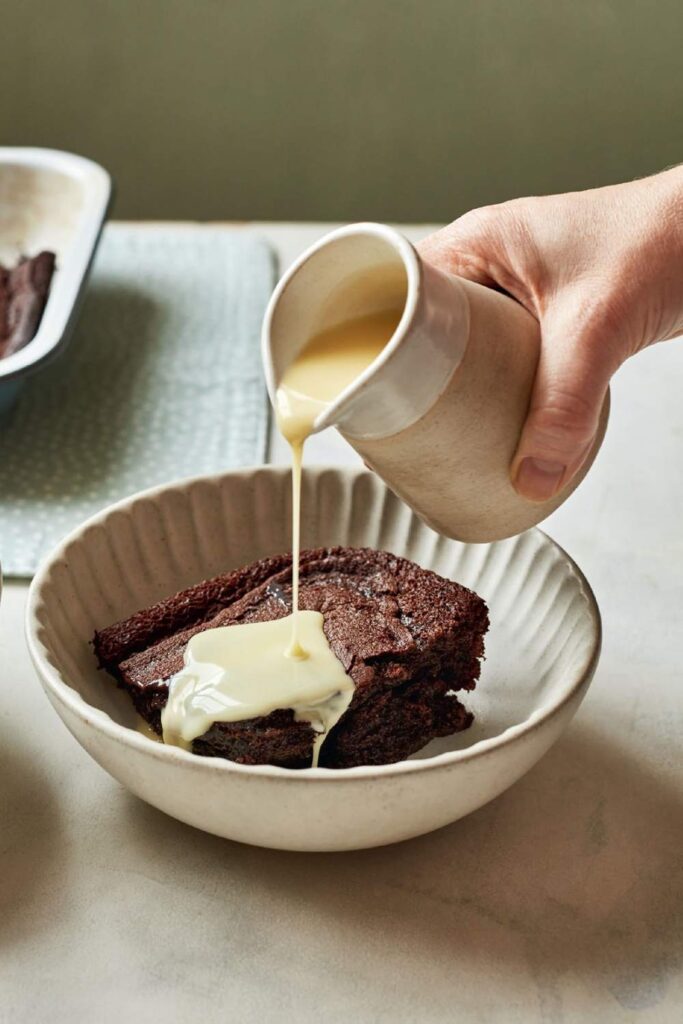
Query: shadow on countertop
[33,847]
[575,871]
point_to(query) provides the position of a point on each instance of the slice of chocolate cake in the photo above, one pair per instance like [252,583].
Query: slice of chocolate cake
[407,637]
[24,291]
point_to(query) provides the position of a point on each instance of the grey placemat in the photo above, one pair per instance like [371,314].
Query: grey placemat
[161,380]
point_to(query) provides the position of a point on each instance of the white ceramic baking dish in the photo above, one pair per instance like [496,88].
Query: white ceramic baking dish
[49,200]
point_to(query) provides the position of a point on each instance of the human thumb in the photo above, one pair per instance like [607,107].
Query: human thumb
[571,383]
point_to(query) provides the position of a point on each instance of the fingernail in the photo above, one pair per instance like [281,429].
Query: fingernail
[537,479]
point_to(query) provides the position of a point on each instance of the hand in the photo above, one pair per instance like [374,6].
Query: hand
[602,272]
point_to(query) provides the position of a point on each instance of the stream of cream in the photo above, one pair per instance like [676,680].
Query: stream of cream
[234,673]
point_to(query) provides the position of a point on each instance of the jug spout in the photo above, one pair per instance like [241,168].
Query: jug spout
[358,271]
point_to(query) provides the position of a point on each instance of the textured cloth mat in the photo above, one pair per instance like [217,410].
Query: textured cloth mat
[161,380]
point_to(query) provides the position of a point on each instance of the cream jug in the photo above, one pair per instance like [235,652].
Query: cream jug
[438,413]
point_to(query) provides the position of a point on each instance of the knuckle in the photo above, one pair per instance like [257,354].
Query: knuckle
[484,220]
[505,232]
[601,318]
[565,420]
[601,335]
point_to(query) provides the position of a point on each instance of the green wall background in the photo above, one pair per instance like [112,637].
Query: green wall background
[345,109]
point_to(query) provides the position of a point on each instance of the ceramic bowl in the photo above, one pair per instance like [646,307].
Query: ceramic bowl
[542,650]
[49,200]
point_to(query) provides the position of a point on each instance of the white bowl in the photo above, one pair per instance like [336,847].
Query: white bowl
[57,201]
[542,650]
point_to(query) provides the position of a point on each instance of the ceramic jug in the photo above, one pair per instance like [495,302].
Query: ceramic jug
[439,413]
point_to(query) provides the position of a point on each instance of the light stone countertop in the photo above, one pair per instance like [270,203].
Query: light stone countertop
[561,901]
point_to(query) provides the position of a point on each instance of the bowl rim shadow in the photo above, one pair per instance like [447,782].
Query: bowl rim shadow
[58,689]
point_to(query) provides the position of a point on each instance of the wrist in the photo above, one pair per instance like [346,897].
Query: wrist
[671,200]
[673,218]
[661,244]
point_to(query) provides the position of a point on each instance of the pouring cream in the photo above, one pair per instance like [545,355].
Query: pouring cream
[234,673]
